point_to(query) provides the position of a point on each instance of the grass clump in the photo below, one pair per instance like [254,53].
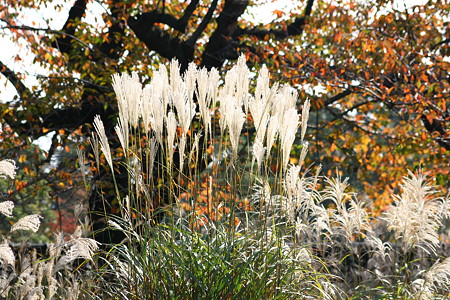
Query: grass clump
[215,210]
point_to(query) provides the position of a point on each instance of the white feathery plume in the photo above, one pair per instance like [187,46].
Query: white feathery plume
[190,79]
[186,113]
[201,90]
[177,87]
[226,105]
[230,82]
[262,89]
[6,208]
[235,119]
[272,131]
[146,103]
[31,222]
[204,98]
[335,191]
[7,168]
[381,249]
[171,124]
[83,248]
[213,87]
[417,214]
[289,95]
[161,88]
[287,132]
[122,132]
[258,152]
[305,117]
[242,82]
[100,129]
[438,275]
[303,153]
[157,110]
[354,220]
[260,113]
[128,90]
[7,254]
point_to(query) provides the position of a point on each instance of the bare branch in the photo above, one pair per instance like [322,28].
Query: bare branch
[12,77]
[338,97]
[48,30]
[191,41]
[183,21]
[433,47]
[77,11]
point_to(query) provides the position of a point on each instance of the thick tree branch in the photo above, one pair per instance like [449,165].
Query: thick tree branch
[295,28]
[194,37]
[12,77]
[221,45]
[183,21]
[338,97]
[160,41]
[148,19]
[75,13]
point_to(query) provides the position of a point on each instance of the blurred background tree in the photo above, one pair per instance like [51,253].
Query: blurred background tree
[377,74]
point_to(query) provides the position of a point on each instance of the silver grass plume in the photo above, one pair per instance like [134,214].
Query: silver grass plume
[100,129]
[303,153]
[122,132]
[213,87]
[7,168]
[30,222]
[242,83]
[154,107]
[352,221]
[438,275]
[272,130]
[93,140]
[129,91]
[151,154]
[176,84]
[7,254]
[6,208]
[189,78]
[335,191]
[235,118]
[287,131]
[171,124]
[417,214]
[201,93]
[260,113]
[258,152]
[305,117]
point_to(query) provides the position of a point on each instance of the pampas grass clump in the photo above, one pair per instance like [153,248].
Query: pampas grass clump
[249,224]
